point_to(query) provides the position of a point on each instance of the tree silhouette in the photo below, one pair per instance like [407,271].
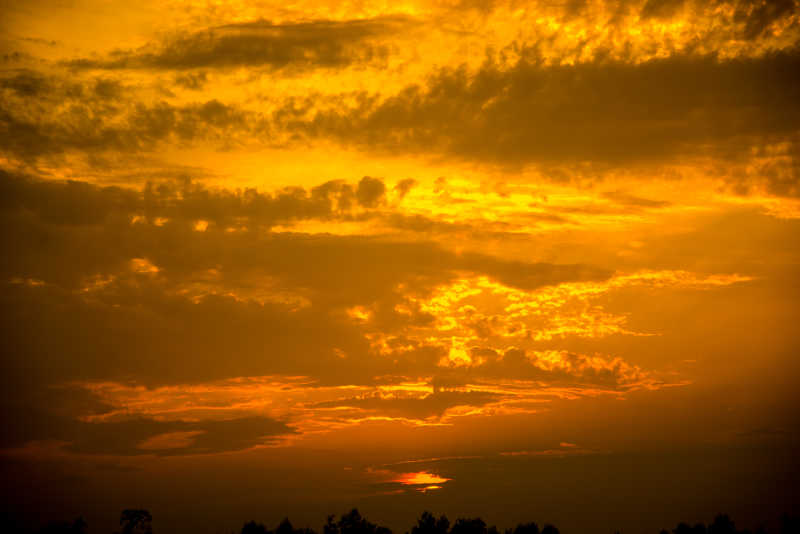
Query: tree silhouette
[135,522]
[685,528]
[78,526]
[525,528]
[353,523]
[469,526]
[428,524]
[790,524]
[722,525]
[330,526]
[285,527]
[254,528]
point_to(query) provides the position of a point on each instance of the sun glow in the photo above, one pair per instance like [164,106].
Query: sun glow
[422,478]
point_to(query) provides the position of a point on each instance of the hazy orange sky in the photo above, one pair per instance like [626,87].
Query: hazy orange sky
[522,260]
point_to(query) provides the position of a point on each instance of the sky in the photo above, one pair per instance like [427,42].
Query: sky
[529,261]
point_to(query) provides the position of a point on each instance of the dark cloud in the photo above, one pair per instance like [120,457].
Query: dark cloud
[79,203]
[65,220]
[66,203]
[661,8]
[773,168]
[321,43]
[741,113]
[76,305]
[603,112]
[404,186]
[626,199]
[39,40]
[45,115]
[138,436]
[431,405]
[426,225]
[25,83]
[143,332]
[758,15]
[567,370]
[108,88]
[32,411]
[370,192]
[735,20]
[525,275]
[94,318]
[192,80]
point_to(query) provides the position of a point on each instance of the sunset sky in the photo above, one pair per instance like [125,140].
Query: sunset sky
[517,260]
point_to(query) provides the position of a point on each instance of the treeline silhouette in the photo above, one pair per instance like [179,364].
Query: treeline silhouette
[133,521]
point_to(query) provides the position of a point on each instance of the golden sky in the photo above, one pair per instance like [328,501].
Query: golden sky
[500,258]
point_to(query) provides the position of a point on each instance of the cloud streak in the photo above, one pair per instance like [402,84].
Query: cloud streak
[290,46]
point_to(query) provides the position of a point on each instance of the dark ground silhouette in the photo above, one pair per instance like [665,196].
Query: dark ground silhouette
[134,521]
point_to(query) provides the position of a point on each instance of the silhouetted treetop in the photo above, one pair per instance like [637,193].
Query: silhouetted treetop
[353,523]
[135,522]
[722,525]
[428,524]
[469,526]
[252,527]
[78,526]
[525,528]
[285,527]
[685,528]
[790,524]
